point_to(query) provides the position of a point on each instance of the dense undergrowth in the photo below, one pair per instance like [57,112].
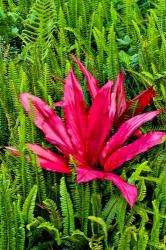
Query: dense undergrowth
[45,210]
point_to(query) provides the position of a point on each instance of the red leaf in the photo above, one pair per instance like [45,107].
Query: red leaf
[13,151]
[101,115]
[58,104]
[75,114]
[85,174]
[126,130]
[137,133]
[120,95]
[128,152]
[49,160]
[48,121]
[143,99]
[91,80]
[128,191]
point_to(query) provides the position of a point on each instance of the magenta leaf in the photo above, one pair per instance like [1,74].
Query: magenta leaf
[126,130]
[76,114]
[13,151]
[100,120]
[59,104]
[128,191]
[16,152]
[49,160]
[91,80]
[131,150]
[120,95]
[143,99]
[85,174]
[48,121]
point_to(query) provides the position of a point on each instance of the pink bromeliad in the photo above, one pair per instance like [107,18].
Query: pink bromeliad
[87,133]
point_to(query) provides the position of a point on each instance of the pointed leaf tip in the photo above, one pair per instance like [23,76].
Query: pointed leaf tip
[49,160]
[75,111]
[127,129]
[142,100]
[128,152]
[129,191]
[120,95]
[92,83]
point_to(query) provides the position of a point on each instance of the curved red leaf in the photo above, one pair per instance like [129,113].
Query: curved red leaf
[125,131]
[85,174]
[120,95]
[128,152]
[143,99]
[49,160]
[13,151]
[75,114]
[128,191]
[100,119]
[58,104]
[48,121]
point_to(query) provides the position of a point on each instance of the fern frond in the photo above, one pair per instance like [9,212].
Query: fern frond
[85,206]
[154,240]
[54,213]
[112,55]
[67,209]
[109,211]
[29,205]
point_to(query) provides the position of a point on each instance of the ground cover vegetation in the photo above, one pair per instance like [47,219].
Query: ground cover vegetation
[40,209]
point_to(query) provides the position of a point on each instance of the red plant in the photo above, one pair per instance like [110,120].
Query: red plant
[87,134]
[124,108]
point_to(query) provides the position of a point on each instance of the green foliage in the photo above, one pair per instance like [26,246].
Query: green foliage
[7,238]
[67,209]
[29,205]
[42,210]
[10,25]
[40,25]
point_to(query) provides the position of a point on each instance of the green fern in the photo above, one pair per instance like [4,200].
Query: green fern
[154,241]
[29,205]
[112,55]
[67,209]
[54,213]
[51,230]
[85,206]
[19,224]
[99,221]
[41,23]
[11,221]
[109,211]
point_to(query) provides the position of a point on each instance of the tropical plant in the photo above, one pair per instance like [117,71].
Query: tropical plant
[81,133]
[36,38]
